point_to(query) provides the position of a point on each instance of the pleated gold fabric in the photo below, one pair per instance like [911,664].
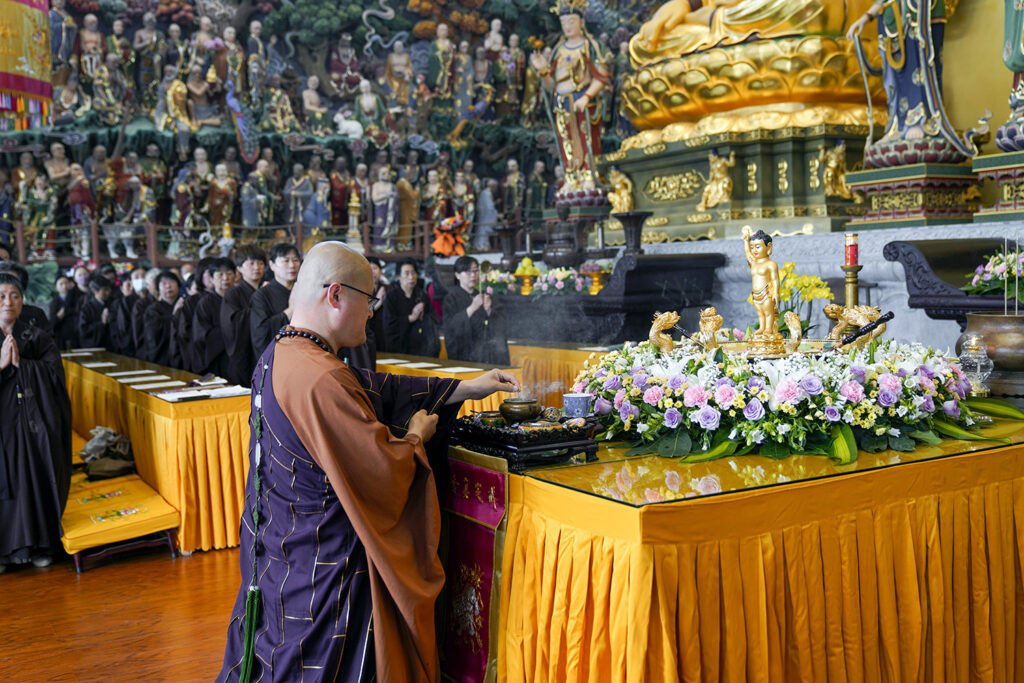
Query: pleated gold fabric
[907,573]
[548,371]
[194,454]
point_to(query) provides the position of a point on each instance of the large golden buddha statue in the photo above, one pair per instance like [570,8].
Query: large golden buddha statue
[746,64]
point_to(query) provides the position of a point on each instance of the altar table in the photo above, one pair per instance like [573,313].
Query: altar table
[440,369]
[193,453]
[899,567]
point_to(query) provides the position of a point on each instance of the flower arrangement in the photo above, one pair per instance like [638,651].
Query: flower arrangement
[498,282]
[559,281]
[705,405]
[596,267]
[995,276]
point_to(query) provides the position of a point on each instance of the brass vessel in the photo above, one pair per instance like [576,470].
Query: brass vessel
[519,409]
[1002,334]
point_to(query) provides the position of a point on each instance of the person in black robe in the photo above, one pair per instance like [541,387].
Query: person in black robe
[207,337]
[380,290]
[234,314]
[147,295]
[201,281]
[410,322]
[475,329]
[94,315]
[267,311]
[30,315]
[62,317]
[35,440]
[122,337]
[160,344]
[5,248]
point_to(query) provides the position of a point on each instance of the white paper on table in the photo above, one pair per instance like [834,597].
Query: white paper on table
[75,354]
[592,348]
[391,361]
[127,373]
[211,382]
[147,378]
[223,392]
[181,395]
[421,365]
[99,365]
[458,369]
[159,385]
[91,348]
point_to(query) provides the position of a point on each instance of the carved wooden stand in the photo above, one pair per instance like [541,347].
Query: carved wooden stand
[914,195]
[1007,172]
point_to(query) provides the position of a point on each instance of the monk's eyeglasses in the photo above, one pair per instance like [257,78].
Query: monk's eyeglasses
[371,299]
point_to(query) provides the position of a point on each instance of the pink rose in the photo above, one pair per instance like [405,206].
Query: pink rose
[725,395]
[653,495]
[490,290]
[653,395]
[578,387]
[890,381]
[709,484]
[852,392]
[788,391]
[738,334]
[694,396]
[673,481]
[560,285]
[620,396]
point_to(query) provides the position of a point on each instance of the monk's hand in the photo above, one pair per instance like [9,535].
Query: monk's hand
[6,352]
[490,382]
[15,353]
[423,424]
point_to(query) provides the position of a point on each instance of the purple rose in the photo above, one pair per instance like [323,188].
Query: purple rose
[901,373]
[708,418]
[812,385]
[672,418]
[858,373]
[754,410]
[832,414]
[724,381]
[601,372]
[928,404]
[628,410]
[637,369]
[676,381]
[755,384]
[925,371]
[887,398]
[639,380]
[602,406]
[979,270]
[613,383]
[951,408]
[986,277]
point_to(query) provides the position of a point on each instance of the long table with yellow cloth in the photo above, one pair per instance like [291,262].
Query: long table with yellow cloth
[193,453]
[411,365]
[899,567]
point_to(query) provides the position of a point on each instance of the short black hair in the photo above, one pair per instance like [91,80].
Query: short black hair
[407,262]
[464,263]
[168,275]
[17,270]
[250,252]
[762,236]
[8,278]
[282,249]
[373,260]
[63,275]
[98,282]
[222,265]
[202,265]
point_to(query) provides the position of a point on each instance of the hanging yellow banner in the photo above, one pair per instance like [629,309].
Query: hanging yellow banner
[25,48]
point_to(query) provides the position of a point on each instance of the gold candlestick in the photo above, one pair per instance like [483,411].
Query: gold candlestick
[852,285]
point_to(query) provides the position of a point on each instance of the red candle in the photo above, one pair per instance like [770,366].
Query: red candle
[851,249]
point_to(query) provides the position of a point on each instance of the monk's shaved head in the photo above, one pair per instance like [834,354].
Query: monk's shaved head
[326,263]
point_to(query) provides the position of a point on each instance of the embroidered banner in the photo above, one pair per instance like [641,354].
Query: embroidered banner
[25,57]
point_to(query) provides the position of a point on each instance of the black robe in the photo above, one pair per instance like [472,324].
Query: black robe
[35,448]
[65,330]
[36,317]
[92,331]
[183,330]
[138,322]
[234,326]
[122,335]
[266,314]
[420,338]
[477,339]
[159,341]
[207,340]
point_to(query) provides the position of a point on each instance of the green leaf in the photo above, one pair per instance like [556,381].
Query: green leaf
[642,449]
[774,450]
[873,443]
[925,436]
[674,444]
[843,449]
[902,443]
[722,450]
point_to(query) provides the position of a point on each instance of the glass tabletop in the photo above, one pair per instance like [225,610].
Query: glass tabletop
[650,479]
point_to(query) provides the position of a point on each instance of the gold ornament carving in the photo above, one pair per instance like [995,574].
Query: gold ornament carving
[783,183]
[655,149]
[699,218]
[654,222]
[621,196]
[614,156]
[751,177]
[813,181]
[656,237]
[664,188]
[833,175]
[719,186]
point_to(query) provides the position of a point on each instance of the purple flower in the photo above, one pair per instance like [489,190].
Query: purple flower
[979,270]
[672,418]
[755,384]
[637,369]
[812,385]
[986,277]
[612,383]
[639,380]
[832,414]
[902,373]
[858,373]
[676,381]
[887,398]
[951,408]
[724,380]
[928,404]
[620,396]
[628,410]
[708,418]
[601,372]
[602,406]
[754,410]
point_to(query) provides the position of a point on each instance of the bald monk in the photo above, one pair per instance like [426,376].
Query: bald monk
[343,550]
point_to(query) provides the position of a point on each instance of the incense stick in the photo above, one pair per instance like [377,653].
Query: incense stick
[1006,283]
[1016,278]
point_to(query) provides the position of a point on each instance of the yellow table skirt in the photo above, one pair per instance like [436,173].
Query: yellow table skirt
[900,574]
[195,454]
[548,371]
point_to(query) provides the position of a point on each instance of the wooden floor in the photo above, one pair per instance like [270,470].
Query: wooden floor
[127,618]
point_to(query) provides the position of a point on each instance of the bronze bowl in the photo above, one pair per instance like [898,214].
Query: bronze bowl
[519,409]
[1003,334]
